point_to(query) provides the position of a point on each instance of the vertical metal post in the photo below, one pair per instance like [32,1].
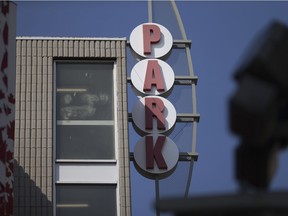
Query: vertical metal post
[179,20]
[194,105]
[191,164]
[157,194]
[150,17]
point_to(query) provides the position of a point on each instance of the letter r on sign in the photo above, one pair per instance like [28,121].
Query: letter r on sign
[154,107]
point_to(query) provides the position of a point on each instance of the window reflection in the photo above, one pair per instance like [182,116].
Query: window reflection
[84,106]
[84,91]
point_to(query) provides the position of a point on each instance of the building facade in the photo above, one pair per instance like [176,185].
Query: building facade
[71,136]
[7,104]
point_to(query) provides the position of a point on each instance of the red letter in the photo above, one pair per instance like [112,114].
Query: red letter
[154,107]
[155,153]
[151,34]
[153,76]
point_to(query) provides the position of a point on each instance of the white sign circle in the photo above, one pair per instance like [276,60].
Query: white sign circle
[169,152]
[138,116]
[158,49]
[139,72]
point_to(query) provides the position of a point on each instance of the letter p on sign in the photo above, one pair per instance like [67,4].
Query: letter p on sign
[151,40]
[151,34]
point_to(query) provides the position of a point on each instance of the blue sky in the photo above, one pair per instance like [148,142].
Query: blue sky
[220,32]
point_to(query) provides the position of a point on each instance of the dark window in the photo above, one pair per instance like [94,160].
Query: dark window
[85,110]
[86,200]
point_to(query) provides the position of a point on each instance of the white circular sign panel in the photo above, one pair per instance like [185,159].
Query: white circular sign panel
[158,49]
[138,76]
[169,152]
[138,115]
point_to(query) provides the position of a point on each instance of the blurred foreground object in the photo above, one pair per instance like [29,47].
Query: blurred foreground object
[244,204]
[258,109]
[259,116]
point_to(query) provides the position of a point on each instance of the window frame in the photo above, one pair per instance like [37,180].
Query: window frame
[93,162]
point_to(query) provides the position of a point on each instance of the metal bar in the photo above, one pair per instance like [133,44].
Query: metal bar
[85,182]
[194,106]
[71,38]
[150,16]
[84,122]
[179,80]
[175,42]
[188,156]
[191,118]
[189,179]
[185,80]
[157,190]
[182,42]
[71,90]
[190,66]
[186,77]
[183,156]
[181,117]
[72,205]
[179,20]
[194,137]
[85,161]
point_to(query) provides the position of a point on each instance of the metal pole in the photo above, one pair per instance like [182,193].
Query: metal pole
[157,194]
[189,178]
[194,105]
[179,20]
[150,19]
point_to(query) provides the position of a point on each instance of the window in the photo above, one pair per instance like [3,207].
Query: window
[85,111]
[86,173]
[88,200]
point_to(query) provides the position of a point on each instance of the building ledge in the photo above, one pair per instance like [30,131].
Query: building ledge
[70,38]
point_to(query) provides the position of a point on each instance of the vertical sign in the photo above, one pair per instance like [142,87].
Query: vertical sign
[153,116]
[7,104]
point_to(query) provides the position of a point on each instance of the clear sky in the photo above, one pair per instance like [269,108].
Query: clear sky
[220,32]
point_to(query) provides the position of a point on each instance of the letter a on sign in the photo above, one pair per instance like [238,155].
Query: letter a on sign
[155,152]
[153,77]
[151,34]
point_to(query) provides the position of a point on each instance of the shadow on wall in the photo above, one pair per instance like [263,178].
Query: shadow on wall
[29,199]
